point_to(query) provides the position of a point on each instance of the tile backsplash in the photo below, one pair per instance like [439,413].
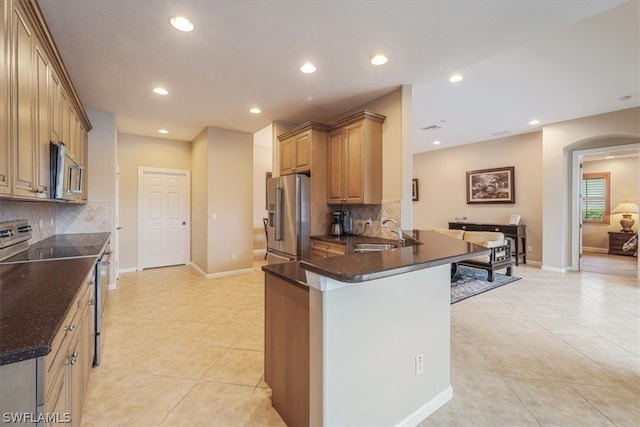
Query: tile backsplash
[362,213]
[49,218]
[94,217]
[41,216]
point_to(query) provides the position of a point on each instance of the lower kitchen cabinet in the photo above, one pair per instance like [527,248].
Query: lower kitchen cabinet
[324,249]
[51,389]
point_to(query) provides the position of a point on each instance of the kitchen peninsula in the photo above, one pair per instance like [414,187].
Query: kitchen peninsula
[362,339]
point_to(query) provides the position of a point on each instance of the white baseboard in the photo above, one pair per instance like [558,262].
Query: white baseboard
[127,270]
[112,287]
[529,262]
[223,273]
[428,408]
[556,269]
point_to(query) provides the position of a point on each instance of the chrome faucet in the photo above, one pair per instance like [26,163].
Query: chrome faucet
[398,231]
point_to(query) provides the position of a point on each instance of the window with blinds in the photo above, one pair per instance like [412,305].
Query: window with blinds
[595,198]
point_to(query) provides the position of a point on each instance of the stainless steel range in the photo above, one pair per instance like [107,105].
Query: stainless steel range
[14,237]
[15,249]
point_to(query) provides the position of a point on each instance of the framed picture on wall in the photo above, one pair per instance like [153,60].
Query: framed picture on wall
[491,186]
[414,189]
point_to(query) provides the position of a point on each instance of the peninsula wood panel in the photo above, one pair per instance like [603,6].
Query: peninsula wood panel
[286,348]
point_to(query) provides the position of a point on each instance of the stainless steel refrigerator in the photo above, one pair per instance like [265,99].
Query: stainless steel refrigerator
[289,218]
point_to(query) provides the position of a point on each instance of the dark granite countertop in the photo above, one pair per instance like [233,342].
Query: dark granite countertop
[434,249]
[350,240]
[64,246]
[34,299]
[36,292]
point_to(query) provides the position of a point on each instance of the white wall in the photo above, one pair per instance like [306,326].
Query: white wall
[230,199]
[362,365]
[442,190]
[135,151]
[262,160]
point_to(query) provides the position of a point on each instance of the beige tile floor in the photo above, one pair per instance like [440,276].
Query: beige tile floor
[550,349]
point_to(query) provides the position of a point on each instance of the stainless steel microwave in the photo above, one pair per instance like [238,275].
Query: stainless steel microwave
[66,174]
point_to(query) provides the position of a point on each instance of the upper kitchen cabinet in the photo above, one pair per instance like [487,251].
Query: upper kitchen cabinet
[354,174]
[5,185]
[38,103]
[41,122]
[304,150]
[56,106]
[23,97]
[296,147]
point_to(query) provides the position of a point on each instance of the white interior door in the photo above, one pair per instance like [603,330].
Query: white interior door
[163,229]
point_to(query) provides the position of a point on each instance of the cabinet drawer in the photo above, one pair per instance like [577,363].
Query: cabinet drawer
[322,249]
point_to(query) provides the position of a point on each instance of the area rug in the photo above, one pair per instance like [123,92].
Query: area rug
[468,282]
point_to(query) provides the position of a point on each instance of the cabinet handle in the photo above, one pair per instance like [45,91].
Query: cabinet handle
[70,328]
[72,360]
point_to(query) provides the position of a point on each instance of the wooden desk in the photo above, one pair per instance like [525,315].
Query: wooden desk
[517,233]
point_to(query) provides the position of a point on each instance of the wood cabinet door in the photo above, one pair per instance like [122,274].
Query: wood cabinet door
[56,107]
[42,126]
[5,186]
[287,152]
[353,159]
[303,152]
[335,168]
[23,138]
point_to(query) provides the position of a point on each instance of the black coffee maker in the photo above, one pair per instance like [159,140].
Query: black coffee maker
[337,218]
[341,223]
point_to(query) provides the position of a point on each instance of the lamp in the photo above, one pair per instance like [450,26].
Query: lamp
[626,208]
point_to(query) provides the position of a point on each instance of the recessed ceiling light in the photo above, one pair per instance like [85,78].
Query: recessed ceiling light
[181,23]
[455,78]
[255,110]
[379,60]
[610,157]
[163,131]
[534,122]
[436,142]
[308,68]
[160,91]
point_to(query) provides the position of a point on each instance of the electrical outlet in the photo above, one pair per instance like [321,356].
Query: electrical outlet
[234,255]
[529,248]
[419,364]
[369,222]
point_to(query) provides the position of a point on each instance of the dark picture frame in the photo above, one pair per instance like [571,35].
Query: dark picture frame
[495,185]
[414,190]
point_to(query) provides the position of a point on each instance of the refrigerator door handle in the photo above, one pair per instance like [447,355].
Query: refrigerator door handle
[279,225]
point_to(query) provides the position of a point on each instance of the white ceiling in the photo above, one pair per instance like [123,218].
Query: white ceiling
[551,60]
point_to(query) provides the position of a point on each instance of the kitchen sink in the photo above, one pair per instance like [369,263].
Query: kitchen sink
[372,247]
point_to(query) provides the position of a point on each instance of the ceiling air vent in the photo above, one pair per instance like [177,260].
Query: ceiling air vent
[432,127]
[501,133]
